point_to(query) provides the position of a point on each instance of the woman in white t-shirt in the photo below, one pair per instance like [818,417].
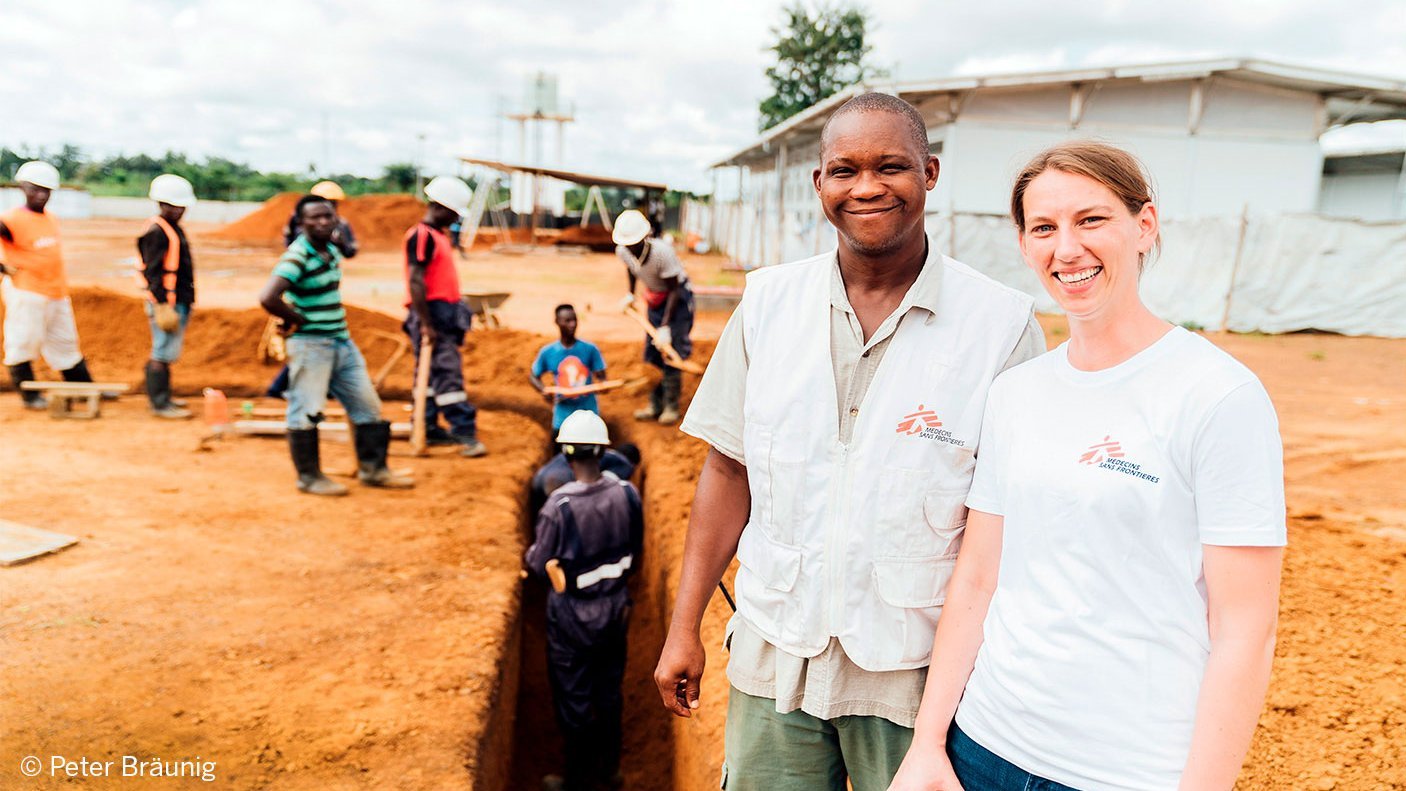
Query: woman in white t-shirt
[1110,624]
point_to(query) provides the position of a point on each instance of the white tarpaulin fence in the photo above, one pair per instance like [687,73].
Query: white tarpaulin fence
[1295,271]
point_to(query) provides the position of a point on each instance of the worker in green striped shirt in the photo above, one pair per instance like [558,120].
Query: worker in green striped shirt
[305,293]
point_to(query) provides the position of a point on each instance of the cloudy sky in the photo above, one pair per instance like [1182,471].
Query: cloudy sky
[660,88]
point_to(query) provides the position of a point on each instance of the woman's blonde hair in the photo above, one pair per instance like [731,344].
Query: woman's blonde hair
[1121,172]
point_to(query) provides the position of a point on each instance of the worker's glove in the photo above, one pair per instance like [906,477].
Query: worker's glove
[167,319]
[664,336]
[627,301]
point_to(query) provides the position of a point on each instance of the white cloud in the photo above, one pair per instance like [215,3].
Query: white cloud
[660,88]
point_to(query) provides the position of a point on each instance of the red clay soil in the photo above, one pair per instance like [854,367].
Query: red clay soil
[210,610]
[1335,715]
[379,221]
[264,225]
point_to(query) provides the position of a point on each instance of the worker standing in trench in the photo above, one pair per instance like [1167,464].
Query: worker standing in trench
[843,406]
[571,362]
[435,309]
[323,358]
[38,311]
[587,544]
[167,273]
[669,300]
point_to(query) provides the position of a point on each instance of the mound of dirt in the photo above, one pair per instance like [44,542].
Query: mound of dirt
[263,225]
[380,221]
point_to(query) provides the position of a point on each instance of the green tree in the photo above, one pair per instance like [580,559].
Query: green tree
[818,53]
[400,176]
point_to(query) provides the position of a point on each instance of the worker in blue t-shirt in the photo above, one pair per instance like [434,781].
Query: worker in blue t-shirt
[571,363]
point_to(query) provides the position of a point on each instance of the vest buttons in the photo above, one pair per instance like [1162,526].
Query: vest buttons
[854,410]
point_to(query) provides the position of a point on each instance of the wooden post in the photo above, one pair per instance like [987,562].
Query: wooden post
[1235,267]
[713,241]
[781,204]
[422,386]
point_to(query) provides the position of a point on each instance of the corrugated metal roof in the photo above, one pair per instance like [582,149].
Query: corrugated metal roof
[567,175]
[1351,97]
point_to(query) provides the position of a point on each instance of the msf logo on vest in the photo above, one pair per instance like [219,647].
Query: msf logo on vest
[1108,455]
[925,424]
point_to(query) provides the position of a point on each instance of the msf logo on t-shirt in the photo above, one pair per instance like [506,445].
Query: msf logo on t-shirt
[925,424]
[1108,455]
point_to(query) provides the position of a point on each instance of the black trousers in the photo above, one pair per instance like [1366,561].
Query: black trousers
[446,395]
[586,650]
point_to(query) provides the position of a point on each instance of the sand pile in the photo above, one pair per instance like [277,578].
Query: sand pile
[380,221]
[264,225]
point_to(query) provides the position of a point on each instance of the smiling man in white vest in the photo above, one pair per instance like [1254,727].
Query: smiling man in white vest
[843,406]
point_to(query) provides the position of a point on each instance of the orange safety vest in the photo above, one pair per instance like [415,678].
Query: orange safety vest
[169,266]
[32,254]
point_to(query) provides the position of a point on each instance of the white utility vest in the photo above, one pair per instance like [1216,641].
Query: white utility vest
[859,542]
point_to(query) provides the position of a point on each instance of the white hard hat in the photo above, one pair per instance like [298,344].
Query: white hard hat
[172,189]
[583,427]
[328,190]
[630,227]
[40,174]
[449,192]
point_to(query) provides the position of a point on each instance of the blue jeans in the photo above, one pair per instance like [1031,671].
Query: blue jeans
[166,346]
[318,366]
[979,768]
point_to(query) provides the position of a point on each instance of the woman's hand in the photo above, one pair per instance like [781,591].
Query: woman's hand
[925,770]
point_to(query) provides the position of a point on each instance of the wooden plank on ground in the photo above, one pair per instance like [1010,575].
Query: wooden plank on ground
[278,428]
[78,387]
[19,543]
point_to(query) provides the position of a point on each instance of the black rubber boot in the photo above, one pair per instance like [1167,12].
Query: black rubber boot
[372,440]
[656,403]
[302,443]
[78,373]
[24,372]
[671,384]
[158,391]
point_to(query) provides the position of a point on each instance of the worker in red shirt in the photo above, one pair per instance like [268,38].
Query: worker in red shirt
[436,311]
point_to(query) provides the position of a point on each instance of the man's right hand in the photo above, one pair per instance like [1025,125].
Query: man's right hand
[427,334]
[680,672]
[925,770]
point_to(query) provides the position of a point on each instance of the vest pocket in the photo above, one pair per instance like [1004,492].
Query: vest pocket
[945,511]
[775,564]
[787,501]
[913,583]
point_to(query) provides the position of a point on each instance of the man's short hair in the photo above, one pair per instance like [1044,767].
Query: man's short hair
[884,103]
[563,306]
[308,200]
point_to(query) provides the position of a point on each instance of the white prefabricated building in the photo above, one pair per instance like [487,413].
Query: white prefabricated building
[1227,141]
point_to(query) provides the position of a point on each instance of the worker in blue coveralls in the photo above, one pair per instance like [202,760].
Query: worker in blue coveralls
[588,541]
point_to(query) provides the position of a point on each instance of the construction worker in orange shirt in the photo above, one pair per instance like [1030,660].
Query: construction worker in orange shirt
[38,311]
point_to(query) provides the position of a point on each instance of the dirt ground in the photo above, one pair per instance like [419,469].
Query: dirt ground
[371,642]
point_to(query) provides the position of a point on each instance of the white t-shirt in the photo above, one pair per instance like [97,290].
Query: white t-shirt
[1110,482]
